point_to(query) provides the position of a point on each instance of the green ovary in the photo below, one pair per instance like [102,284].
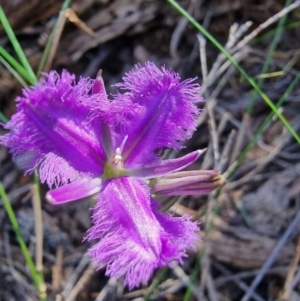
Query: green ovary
[110,172]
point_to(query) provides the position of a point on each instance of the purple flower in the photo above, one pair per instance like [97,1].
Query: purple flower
[85,144]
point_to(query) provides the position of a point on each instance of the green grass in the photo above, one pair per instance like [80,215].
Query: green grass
[13,220]
[196,270]
[268,59]
[16,75]
[24,74]
[15,43]
[251,81]
[161,276]
[19,71]
[261,129]
[272,32]
[46,52]
[16,66]
[3,118]
[257,92]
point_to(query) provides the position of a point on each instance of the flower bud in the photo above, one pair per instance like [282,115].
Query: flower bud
[196,182]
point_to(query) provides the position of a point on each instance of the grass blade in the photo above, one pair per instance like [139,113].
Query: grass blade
[3,118]
[271,32]
[268,59]
[16,45]
[16,227]
[196,270]
[161,276]
[47,50]
[242,156]
[237,66]
[16,66]
[13,72]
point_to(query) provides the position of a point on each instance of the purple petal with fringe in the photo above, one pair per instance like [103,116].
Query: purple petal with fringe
[134,238]
[52,126]
[164,115]
[78,139]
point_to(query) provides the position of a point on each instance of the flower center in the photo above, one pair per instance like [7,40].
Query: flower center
[114,166]
[118,159]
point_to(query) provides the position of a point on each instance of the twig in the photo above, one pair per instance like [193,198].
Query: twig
[59,26]
[227,149]
[207,248]
[171,289]
[219,10]
[56,37]
[287,289]
[202,51]
[211,288]
[264,25]
[48,52]
[14,222]
[178,31]
[272,257]
[233,49]
[19,279]
[38,224]
[80,267]
[222,280]
[242,71]
[38,220]
[211,201]
[181,275]
[57,269]
[296,279]
[238,56]
[209,104]
[109,288]
[259,163]
[82,282]
[250,177]
[229,116]
[234,34]
[240,139]
[237,281]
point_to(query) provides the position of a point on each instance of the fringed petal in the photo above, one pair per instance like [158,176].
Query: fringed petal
[164,115]
[133,243]
[181,233]
[53,120]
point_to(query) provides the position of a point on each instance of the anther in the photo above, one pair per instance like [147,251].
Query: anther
[118,156]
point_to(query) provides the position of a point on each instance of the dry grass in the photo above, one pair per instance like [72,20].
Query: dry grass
[250,228]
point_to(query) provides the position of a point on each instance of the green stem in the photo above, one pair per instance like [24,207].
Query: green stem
[158,281]
[3,118]
[16,44]
[18,67]
[268,59]
[237,66]
[25,251]
[242,156]
[13,72]
[196,270]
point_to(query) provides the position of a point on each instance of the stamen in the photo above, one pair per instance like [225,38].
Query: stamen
[118,159]
[118,156]
[123,143]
